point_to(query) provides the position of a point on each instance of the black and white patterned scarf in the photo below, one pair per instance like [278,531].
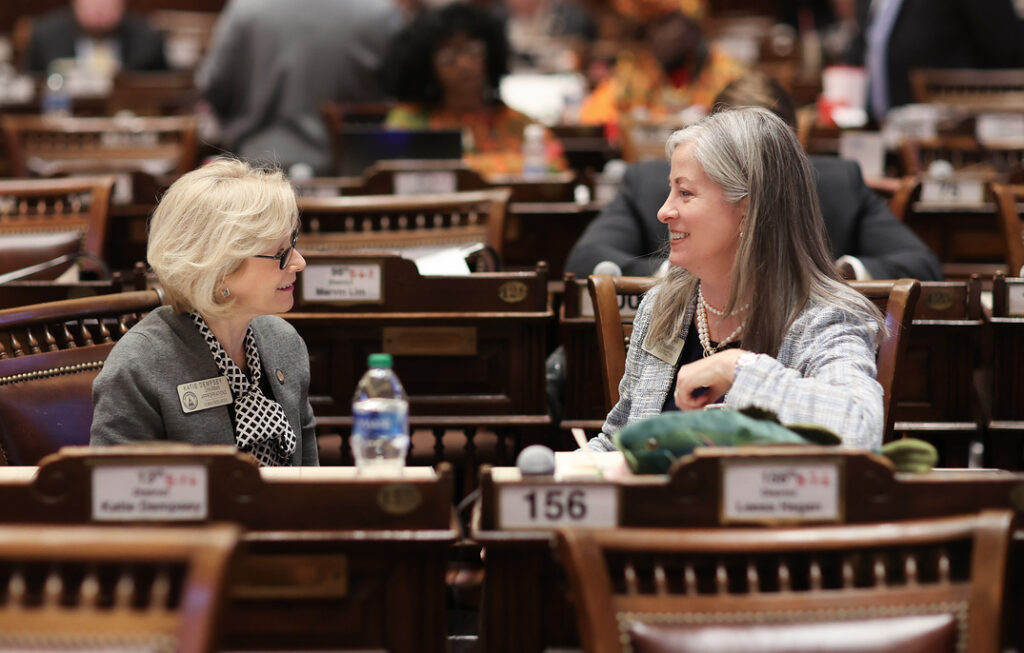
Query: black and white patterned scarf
[261,427]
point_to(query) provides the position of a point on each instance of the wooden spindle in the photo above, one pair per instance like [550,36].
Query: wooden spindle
[17,588]
[690,579]
[160,593]
[660,581]
[123,591]
[944,566]
[53,588]
[815,575]
[849,578]
[89,592]
[721,578]
[910,569]
[879,571]
[785,578]
[632,586]
[753,579]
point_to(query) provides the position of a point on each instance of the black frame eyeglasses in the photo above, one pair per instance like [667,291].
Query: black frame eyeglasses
[285,256]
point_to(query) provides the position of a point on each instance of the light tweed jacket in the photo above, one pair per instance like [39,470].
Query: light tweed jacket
[824,374]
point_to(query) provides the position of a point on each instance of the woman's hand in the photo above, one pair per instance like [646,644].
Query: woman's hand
[715,373]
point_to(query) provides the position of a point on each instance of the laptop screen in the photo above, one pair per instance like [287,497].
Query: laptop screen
[364,145]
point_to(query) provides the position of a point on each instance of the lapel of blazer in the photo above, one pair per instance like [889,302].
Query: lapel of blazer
[656,375]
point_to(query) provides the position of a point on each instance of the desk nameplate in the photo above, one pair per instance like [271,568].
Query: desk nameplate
[1015,297]
[150,492]
[342,283]
[547,506]
[782,491]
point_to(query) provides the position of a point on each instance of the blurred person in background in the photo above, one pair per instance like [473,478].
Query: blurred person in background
[273,64]
[547,34]
[444,69]
[867,241]
[672,69]
[896,36]
[100,35]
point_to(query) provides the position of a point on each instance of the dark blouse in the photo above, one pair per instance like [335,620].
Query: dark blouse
[692,351]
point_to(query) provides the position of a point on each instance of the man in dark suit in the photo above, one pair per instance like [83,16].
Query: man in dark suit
[868,242]
[96,30]
[896,36]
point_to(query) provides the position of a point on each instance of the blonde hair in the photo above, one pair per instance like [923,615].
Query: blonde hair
[208,223]
[783,258]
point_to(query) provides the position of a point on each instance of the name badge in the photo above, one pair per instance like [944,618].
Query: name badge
[208,393]
[664,351]
[549,506]
[781,491]
[149,492]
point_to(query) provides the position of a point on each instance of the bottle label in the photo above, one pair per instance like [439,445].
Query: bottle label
[374,424]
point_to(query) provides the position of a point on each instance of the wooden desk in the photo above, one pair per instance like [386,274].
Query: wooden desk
[524,606]
[1004,437]
[469,349]
[329,559]
[959,233]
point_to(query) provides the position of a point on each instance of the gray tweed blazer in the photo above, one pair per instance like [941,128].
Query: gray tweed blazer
[824,374]
[135,396]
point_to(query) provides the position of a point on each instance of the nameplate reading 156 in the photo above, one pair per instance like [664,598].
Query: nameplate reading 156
[547,506]
[341,282]
[780,491]
[149,492]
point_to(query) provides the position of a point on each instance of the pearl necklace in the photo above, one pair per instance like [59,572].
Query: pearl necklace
[712,309]
[702,326]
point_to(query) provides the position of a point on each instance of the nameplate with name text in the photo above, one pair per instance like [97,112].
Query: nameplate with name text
[419,183]
[953,191]
[1015,298]
[781,491]
[342,282]
[529,505]
[149,493]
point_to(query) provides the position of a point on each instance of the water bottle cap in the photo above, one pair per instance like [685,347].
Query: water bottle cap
[381,361]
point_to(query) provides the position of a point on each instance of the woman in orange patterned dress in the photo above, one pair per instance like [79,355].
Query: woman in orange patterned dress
[445,69]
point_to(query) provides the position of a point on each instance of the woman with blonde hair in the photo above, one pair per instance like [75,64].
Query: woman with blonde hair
[751,311]
[216,366]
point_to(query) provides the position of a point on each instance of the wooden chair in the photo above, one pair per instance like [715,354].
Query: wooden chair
[398,222]
[113,588]
[1007,196]
[421,176]
[975,90]
[30,208]
[53,147]
[898,192]
[49,356]
[896,298]
[926,585]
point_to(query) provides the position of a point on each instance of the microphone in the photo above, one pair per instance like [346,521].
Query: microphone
[536,460]
[608,267]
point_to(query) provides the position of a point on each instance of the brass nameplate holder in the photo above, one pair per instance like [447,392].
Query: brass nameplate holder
[399,498]
[429,341]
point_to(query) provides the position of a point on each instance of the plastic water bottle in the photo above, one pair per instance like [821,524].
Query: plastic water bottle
[535,154]
[380,419]
[56,101]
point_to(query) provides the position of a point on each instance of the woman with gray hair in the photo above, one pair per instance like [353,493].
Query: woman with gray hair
[751,311]
[216,366]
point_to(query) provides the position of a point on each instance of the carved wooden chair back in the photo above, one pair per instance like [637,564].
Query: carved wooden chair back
[398,222]
[49,356]
[113,587]
[931,584]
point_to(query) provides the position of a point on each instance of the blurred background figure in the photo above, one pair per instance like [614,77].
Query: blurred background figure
[444,68]
[547,35]
[867,240]
[898,35]
[100,35]
[272,65]
[672,69]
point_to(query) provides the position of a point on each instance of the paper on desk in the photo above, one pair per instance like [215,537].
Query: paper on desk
[448,260]
[576,465]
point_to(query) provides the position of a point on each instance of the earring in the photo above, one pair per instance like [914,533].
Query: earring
[741,234]
[226,292]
